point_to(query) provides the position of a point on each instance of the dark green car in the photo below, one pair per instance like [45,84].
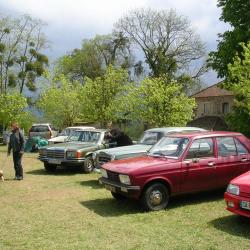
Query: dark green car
[76,151]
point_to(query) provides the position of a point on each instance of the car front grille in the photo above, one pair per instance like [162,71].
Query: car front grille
[104,158]
[113,176]
[55,154]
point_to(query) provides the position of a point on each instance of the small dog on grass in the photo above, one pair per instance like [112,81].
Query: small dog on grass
[1,175]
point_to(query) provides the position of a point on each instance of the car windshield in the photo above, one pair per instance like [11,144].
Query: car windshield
[85,136]
[172,147]
[150,138]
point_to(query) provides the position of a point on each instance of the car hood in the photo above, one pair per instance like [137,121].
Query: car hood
[60,138]
[243,181]
[72,146]
[147,163]
[121,152]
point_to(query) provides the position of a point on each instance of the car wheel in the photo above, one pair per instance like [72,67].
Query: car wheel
[118,196]
[155,197]
[50,167]
[88,165]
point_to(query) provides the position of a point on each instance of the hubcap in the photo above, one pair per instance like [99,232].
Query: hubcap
[89,165]
[155,197]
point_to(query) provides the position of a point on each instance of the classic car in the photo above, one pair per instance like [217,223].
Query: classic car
[77,151]
[43,130]
[62,137]
[149,138]
[237,196]
[177,164]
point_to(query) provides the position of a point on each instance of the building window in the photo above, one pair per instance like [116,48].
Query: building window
[225,107]
[206,108]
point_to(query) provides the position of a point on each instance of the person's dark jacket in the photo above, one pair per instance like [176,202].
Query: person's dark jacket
[120,138]
[17,141]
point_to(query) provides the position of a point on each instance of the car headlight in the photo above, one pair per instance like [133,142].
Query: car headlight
[104,173]
[73,154]
[124,179]
[233,189]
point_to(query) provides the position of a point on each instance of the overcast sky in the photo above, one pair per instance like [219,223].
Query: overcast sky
[70,21]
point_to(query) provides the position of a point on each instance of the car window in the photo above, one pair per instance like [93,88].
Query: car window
[150,138]
[241,150]
[39,129]
[85,136]
[169,147]
[226,146]
[201,148]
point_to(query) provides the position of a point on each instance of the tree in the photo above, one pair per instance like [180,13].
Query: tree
[21,60]
[95,56]
[235,13]
[81,63]
[238,81]
[100,94]
[13,107]
[60,103]
[167,40]
[157,103]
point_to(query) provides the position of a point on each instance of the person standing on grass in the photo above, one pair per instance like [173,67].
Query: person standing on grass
[16,145]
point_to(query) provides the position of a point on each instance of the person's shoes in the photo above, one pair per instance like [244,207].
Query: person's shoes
[18,178]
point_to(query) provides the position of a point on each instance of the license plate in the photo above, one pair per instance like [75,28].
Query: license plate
[110,188]
[54,161]
[245,205]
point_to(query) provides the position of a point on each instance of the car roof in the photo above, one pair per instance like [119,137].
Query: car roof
[95,130]
[205,134]
[173,129]
[41,124]
[80,127]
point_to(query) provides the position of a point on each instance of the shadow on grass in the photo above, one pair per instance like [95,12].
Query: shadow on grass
[111,207]
[234,225]
[192,199]
[91,183]
[59,171]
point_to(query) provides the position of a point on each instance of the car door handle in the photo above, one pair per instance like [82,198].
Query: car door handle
[243,160]
[211,164]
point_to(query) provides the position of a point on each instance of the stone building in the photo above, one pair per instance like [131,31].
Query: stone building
[213,103]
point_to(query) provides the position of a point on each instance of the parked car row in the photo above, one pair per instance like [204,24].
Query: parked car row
[166,162]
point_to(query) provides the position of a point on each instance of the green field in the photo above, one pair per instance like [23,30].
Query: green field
[70,210]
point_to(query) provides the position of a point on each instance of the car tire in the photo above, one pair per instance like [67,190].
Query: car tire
[88,165]
[155,197]
[118,196]
[50,167]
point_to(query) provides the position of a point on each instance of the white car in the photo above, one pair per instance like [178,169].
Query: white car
[44,130]
[66,133]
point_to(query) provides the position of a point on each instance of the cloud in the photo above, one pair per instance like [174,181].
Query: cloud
[70,21]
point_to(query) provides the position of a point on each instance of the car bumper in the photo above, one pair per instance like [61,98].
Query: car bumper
[234,204]
[63,161]
[128,191]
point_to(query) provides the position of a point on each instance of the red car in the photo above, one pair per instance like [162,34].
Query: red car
[237,195]
[178,164]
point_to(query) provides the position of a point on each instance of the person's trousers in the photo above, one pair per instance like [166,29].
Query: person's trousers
[17,159]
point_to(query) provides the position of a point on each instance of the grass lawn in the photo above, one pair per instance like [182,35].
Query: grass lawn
[70,210]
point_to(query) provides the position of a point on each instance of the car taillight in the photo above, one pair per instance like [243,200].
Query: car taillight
[78,154]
